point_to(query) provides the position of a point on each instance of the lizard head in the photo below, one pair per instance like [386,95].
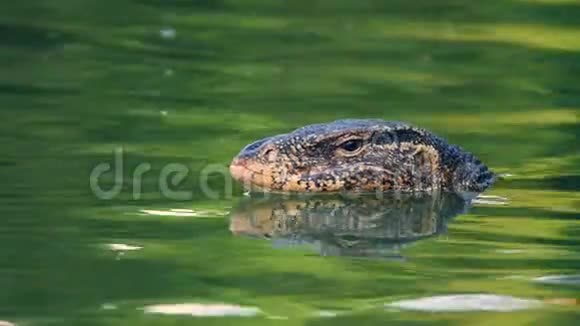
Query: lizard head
[359,155]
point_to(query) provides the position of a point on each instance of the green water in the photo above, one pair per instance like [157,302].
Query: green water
[191,82]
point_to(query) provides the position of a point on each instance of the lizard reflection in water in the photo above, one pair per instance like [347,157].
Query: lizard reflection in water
[348,226]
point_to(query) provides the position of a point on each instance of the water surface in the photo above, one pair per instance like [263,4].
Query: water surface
[184,82]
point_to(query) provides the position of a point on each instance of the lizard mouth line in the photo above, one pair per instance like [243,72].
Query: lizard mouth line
[243,172]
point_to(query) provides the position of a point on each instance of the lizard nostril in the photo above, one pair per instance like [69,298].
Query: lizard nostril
[254,149]
[270,154]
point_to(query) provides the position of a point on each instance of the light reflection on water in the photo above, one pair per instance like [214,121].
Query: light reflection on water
[361,226]
[192,82]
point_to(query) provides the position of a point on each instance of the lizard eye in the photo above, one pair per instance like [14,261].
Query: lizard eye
[352,145]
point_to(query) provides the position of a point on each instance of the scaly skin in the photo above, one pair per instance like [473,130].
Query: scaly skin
[358,156]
